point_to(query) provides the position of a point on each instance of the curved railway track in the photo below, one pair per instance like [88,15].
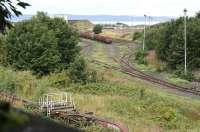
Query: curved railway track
[126,66]
[130,70]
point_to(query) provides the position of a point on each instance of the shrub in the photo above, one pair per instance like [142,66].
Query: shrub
[180,72]
[97,29]
[3,50]
[140,57]
[137,36]
[79,72]
[42,44]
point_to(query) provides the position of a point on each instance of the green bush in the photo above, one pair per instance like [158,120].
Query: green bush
[42,44]
[3,50]
[168,41]
[140,57]
[181,73]
[97,29]
[137,36]
[79,72]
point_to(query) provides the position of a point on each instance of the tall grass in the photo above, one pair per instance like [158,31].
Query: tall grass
[24,84]
[139,105]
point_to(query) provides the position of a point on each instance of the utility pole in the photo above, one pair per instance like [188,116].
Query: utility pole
[145,16]
[67,18]
[185,37]
[149,21]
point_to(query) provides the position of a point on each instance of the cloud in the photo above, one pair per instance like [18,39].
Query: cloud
[114,7]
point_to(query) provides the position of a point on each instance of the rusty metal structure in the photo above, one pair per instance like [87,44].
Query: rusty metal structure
[55,103]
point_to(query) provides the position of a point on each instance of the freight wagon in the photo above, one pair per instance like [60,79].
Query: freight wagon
[96,37]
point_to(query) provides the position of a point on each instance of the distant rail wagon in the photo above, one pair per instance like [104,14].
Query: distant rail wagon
[100,38]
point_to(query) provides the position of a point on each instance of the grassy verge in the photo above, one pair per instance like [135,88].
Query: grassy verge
[100,53]
[141,106]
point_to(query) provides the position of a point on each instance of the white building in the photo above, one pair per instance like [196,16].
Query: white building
[60,15]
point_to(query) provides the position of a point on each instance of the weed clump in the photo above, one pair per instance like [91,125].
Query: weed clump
[140,57]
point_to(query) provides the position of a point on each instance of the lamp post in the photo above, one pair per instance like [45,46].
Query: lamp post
[185,37]
[145,16]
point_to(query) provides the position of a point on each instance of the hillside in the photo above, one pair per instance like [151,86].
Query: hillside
[113,84]
[140,105]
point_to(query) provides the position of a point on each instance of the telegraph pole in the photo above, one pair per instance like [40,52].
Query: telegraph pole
[67,18]
[185,37]
[145,16]
[149,21]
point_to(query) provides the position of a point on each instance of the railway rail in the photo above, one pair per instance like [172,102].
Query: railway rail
[86,49]
[126,66]
[130,70]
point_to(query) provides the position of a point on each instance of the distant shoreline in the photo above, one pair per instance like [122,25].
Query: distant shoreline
[104,19]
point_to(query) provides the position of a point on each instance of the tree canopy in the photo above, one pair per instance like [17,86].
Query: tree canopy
[7,9]
[97,29]
[42,44]
[168,41]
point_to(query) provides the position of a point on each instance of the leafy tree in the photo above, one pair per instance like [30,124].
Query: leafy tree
[168,41]
[42,44]
[198,14]
[98,29]
[152,38]
[7,8]
[3,51]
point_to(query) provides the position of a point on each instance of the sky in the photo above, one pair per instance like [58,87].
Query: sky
[114,7]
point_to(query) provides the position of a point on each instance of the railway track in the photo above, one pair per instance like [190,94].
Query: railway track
[130,70]
[86,50]
[126,66]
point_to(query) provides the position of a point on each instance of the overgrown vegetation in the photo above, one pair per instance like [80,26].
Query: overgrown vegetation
[129,101]
[168,41]
[48,47]
[140,57]
[3,50]
[42,44]
[98,29]
[7,9]
[137,36]
[79,72]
